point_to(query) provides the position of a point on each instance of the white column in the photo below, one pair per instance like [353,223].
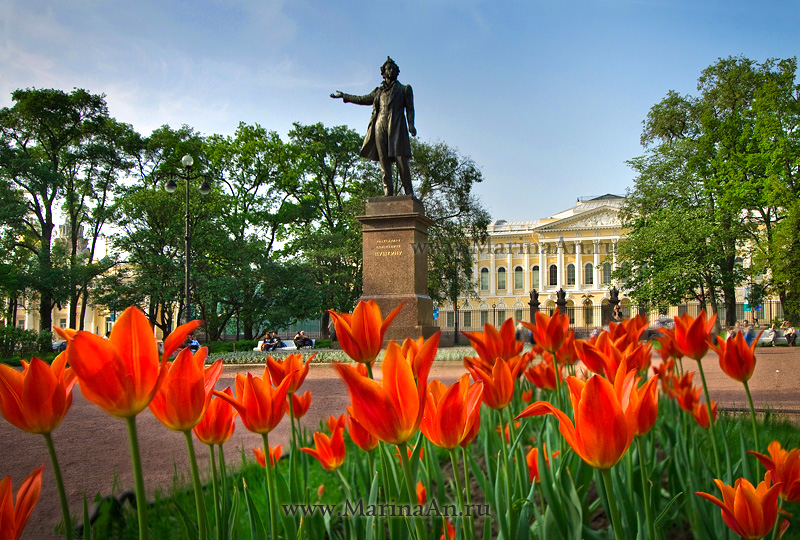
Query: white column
[614,261]
[560,264]
[509,272]
[596,268]
[492,271]
[542,264]
[526,275]
[578,266]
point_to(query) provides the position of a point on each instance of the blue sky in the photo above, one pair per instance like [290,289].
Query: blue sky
[546,96]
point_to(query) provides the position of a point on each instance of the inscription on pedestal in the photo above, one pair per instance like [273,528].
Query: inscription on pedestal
[389,247]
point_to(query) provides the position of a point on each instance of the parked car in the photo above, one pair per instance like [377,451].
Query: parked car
[654,330]
[59,346]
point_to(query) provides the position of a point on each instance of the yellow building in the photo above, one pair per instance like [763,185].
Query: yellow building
[573,250]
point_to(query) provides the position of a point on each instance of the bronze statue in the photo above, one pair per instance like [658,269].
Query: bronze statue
[387,135]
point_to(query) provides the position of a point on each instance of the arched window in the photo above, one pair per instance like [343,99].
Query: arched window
[588,274]
[535,278]
[501,279]
[553,275]
[484,279]
[570,274]
[606,273]
[518,277]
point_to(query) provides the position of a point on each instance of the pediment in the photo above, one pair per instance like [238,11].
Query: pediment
[600,218]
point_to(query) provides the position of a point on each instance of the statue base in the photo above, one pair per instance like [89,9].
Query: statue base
[395,268]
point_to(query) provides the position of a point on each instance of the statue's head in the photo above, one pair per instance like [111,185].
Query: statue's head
[389,62]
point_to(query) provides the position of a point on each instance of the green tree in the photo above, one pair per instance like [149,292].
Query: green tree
[43,139]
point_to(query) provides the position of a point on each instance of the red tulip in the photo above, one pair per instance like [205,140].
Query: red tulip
[391,409]
[694,335]
[451,411]
[14,517]
[543,374]
[300,404]
[736,358]
[121,374]
[784,468]
[422,493]
[292,366]
[549,332]
[491,344]
[498,385]
[420,352]
[217,425]
[532,459]
[700,414]
[36,399]
[361,334]
[360,436]
[260,406]
[275,453]
[643,402]
[603,429]
[749,511]
[669,345]
[335,422]
[329,451]
[185,393]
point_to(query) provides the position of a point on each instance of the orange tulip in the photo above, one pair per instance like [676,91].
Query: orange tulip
[361,334]
[422,493]
[335,422]
[784,467]
[391,409]
[543,374]
[694,335]
[36,399]
[600,356]
[451,411]
[498,385]
[603,430]
[669,345]
[275,453]
[491,344]
[700,414]
[329,451]
[643,402]
[217,425]
[420,352]
[549,332]
[360,436]
[736,358]
[448,531]
[532,459]
[291,366]
[260,406]
[185,393]
[527,395]
[121,374]
[749,511]
[629,331]
[300,404]
[14,517]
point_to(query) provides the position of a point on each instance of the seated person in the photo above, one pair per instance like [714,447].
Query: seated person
[301,340]
[773,334]
[789,333]
[277,341]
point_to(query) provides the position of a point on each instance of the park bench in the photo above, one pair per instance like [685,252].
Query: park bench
[288,346]
[766,338]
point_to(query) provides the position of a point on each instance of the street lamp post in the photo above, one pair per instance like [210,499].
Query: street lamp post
[187,161]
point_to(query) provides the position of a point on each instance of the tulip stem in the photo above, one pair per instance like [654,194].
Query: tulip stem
[612,504]
[215,486]
[62,494]
[136,459]
[271,496]
[198,487]
[460,496]
[419,525]
[776,527]
[467,492]
[711,422]
[648,511]
[752,417]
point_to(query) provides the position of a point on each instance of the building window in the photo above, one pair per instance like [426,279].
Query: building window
[606,273]
[518,277]
[21,324]
[553,275]
[570,274]
[535,277]
[450,319]
[62,322]
[484,279]
[484,317]
[501,279]
[109,324]
[518,314]
[467,319]
[588,274]
[501,317]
